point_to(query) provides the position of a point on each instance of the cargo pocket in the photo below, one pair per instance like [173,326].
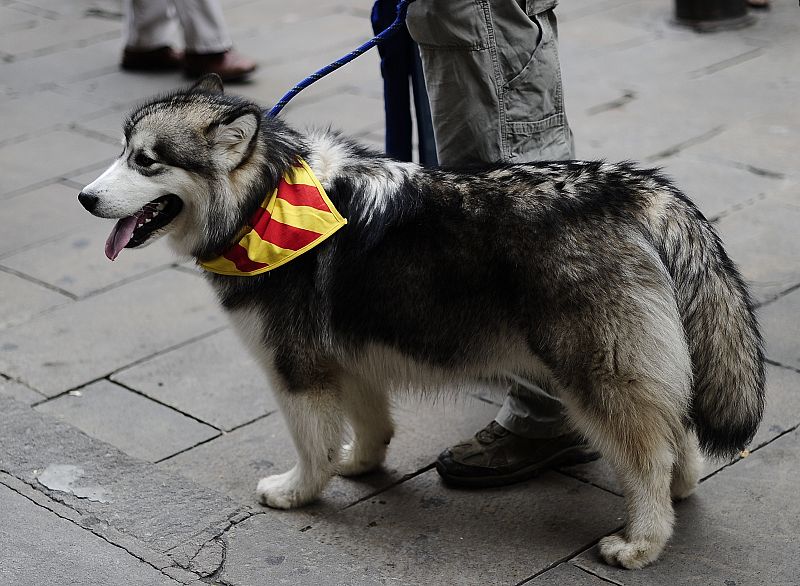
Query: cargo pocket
[536,127]
[543,140]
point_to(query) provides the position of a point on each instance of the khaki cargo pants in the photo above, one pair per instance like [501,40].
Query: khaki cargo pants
[494,83]
[493,78]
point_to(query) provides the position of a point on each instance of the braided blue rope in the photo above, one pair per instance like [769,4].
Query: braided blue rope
[402,8]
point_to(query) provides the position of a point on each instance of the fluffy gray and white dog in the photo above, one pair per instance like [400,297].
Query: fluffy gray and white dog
[601,282]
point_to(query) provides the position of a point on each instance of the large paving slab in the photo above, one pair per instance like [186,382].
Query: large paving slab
[39,111]
[762,240]
[13,18]
[108,123]
[234,463]
[41,548]
[214,379]
[53,9]
[112,493]
[360,76]
[21,299]
[114,415]
[781,329]
[419,532]
[49,156]
[19,392]
[644,129]
[122,89]
[41,72]
[63,32]
[76,263]
[671,55]
[740,529]
[244,16]
[718,189]
[41,215]
[567,574]
[92,338]
[263,550]
[767,142]
[356,114]
[422,532]
[328,38]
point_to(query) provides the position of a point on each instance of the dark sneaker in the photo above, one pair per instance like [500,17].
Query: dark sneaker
[496,457]
[161,59]
[229,65]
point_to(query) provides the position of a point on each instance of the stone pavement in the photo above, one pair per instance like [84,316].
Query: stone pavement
[128,452]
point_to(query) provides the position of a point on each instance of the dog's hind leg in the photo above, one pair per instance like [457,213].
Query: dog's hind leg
[635,437]
[688,465]
[367,410]
[315,420]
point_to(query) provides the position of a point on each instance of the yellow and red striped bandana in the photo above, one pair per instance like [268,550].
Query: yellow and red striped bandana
[294,218]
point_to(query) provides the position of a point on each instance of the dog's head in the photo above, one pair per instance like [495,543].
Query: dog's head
[182,157]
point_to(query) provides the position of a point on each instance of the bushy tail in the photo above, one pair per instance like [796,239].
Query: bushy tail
[721,331]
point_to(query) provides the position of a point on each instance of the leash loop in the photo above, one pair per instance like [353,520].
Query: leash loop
[402,8]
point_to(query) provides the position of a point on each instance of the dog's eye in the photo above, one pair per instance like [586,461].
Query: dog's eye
[143,160]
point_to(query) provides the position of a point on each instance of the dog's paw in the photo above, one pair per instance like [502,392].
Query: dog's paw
[633,555]
[284,491]
[354,462]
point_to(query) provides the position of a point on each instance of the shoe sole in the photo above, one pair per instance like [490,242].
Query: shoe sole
[568,457]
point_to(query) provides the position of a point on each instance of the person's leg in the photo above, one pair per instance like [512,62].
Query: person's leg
[422,107]
[203,25]
[493,78]
[208,45]
[148,24]
[395,73]
[528,411]
[149,31]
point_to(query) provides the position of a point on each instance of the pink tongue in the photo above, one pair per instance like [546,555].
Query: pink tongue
[120,235]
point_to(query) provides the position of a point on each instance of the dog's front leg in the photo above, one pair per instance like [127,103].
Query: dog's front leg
[315,421]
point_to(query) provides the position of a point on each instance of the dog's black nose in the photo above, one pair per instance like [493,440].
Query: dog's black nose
[88,201]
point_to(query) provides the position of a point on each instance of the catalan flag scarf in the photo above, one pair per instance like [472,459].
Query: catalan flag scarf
[294,218]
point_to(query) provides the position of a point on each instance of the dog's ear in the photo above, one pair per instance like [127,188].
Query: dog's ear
[231,140]
[210,82]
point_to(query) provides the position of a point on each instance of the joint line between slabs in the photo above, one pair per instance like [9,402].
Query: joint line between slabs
[781,365]
[171,407]
[777,296]
[753,451]
[108,375]
[589,482]
[604,579]
[397,482]
[568,557]
[39,282]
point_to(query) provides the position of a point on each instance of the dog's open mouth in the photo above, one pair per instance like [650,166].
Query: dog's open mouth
[134,230]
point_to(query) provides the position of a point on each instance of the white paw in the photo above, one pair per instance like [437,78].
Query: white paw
[354,462]
[632,555]
[284,491]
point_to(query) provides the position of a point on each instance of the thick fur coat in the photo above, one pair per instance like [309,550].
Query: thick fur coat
[601,282]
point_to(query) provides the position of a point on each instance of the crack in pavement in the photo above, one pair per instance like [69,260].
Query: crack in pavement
[185,554]
[83,522]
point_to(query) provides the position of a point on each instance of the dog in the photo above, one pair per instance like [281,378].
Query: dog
[601,282]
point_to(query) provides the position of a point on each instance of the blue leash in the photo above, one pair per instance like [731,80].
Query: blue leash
[402,8]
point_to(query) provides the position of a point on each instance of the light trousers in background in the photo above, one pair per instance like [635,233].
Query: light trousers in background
[150,24]
[494,83]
